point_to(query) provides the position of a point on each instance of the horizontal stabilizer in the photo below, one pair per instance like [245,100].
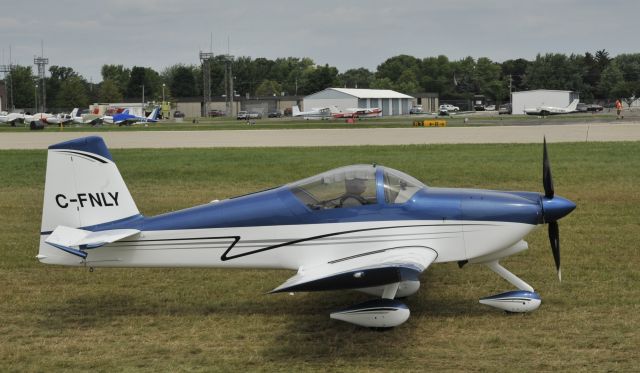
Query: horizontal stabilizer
[362,271]
[75,241]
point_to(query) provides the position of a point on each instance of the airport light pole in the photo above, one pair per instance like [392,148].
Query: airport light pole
[163,93]
[35,94]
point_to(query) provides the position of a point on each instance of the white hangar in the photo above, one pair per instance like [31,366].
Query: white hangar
[540,97]
[391,102]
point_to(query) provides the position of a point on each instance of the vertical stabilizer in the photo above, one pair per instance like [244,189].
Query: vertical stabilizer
[83,186]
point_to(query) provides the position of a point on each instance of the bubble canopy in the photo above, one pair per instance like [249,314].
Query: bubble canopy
[354,186]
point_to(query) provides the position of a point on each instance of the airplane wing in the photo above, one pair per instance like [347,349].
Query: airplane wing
[65,238]
[377,268]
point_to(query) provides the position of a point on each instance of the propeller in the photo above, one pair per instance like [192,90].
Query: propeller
[547,179]
[554,231]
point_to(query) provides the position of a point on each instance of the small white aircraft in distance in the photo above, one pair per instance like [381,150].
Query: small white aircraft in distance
[319,113]
[552,110]
[62,118]
[12,118]
[28,118]
[359,113]
[362,227]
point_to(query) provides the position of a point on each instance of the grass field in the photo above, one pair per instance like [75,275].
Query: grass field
[55,318]
[480,119]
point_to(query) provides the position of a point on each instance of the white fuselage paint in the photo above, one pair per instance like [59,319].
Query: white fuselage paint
[452,240]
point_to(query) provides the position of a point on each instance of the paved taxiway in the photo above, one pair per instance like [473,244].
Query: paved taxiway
[336,137]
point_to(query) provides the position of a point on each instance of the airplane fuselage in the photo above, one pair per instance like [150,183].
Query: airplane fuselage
[273,229]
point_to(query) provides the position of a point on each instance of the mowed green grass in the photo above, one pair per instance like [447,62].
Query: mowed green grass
[57,318]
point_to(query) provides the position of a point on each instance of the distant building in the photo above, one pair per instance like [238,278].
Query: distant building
[541,97]
[391,102]
[428,100]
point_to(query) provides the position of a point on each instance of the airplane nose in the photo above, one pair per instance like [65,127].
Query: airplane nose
[556,208]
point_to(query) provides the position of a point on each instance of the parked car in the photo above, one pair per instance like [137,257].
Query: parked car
[583,108]
[178,114]
[216,113]
[274,114]
[416,109]
[504,109]
[242,115]
[490,107]
[254,115]
[448,108]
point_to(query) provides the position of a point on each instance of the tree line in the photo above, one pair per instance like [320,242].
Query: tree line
[595,76]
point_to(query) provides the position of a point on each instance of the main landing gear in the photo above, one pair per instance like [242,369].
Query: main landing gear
[523,300]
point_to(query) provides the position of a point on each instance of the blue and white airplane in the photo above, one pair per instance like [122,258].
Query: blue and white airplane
[362,227]
[125,118]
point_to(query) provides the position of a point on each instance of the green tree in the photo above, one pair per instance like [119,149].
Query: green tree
[58,74]
[384,83]
[23,86]
[182,81]
[147,77]
[109,91]
[394,67]
[516,71]
[610,77]
[73,93]
[356,78]
[268,88]
[320,78]
[118,74]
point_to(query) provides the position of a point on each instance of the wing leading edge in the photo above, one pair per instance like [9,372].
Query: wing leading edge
[362,271]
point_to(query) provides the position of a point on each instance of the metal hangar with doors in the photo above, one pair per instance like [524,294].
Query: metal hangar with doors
[391,102]
[541,97]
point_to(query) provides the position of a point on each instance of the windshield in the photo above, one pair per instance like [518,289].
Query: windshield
[399,187]
[349,186]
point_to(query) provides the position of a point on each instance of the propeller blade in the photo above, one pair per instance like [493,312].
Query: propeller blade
[547,179]
[554,239]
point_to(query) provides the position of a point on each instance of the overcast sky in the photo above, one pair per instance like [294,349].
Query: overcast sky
[85,34]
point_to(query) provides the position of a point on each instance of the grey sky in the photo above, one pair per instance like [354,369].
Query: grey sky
[343,33]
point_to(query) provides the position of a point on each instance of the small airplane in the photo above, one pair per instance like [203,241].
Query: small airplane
[28,118]
[86,119]
[368,228]
[125,118]
[359,113]
[62,118]
[12,118]
[552,110]
[319,113]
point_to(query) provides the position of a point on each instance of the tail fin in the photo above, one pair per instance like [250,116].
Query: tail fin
[573,105]
[83,186]
[295,111]
[154,114]
[74,112]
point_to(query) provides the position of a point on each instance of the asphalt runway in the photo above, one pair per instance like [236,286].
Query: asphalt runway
[594,132]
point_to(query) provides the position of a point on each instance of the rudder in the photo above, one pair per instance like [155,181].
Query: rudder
[83,186]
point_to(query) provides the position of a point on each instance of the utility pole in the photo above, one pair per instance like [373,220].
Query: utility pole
[42,62]
[228,84]
[205,59]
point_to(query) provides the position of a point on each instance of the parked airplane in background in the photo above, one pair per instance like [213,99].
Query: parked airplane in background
[363,227]
[37,117]
[552,110]
[125,118]
[62,118]
[86,119]
[322,113]
[12,118]
[359,113]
